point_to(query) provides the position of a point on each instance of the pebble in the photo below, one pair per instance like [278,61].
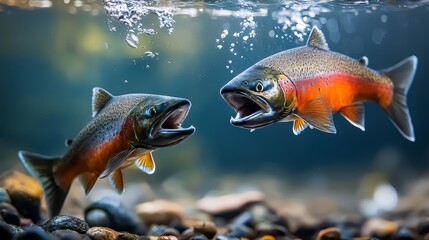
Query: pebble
[205,228]
[329,234]
[9,214]
[200,237]
[65,222]
[230,205]
[423,227]
[404,233]
[4,197]
[109,212]
[270,229]
[33,232]
[160,212]
[167,238]
[67,234]
[241,231]
[102,233]
[25,193]
[8,231]
[380,228]
[162,230]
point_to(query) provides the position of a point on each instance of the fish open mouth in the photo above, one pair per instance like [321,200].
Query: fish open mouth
[250,110]
[169,126]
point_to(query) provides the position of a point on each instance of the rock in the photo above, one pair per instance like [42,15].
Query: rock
[262,213]
[199,237]
[423,227]
[270,229]
[34,232]
[206,228]
[404,234]
[267,237]
[167,238]
[127,236]
[4,197]
[162,230]
[187,234]
[229,206]
[66,234]
[102,233]
[160,212]
[329,234]
[9,214]
[8,231]
[305,231]
[223,237]
[65,222]
[241,231]
[379,228]
[25,193]
[109,212]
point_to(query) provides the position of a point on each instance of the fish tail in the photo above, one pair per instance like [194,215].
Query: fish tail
[402,75]
[41,168]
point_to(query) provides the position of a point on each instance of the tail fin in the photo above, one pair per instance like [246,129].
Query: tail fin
[402,75]
[41,168]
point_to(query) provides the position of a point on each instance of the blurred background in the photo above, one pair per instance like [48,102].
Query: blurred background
[53,53]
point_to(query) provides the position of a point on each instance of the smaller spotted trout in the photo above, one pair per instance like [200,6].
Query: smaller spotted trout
[308,84]
[125,129]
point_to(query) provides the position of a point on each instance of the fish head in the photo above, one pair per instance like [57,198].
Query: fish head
[257,97]
[157,122]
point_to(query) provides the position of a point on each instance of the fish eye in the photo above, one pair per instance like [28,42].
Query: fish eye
[259,86]
[152,112]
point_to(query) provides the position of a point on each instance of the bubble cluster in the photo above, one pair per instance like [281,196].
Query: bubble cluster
[130,13]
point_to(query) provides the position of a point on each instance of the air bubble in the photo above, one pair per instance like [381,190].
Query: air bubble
[132,40]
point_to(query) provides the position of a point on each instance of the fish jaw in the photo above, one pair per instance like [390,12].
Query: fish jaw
[255,96]
[157,122]
[251,111]
[168,130]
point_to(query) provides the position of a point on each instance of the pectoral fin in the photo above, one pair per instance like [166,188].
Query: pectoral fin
[116,162]
[117,181]
[355,114]
[299,125]
[318,114]
[145,162]
[88,180]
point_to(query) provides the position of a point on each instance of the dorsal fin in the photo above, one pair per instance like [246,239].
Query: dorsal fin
[99,99]
[364,61]
[317,39]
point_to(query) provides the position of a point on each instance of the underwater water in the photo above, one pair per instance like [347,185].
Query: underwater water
[53,53]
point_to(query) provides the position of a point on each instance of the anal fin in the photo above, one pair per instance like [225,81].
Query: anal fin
[355,114]
[299,125]
[318,114]
[88,180]
[117,181]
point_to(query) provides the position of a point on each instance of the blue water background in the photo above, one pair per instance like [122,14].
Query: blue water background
[50,60]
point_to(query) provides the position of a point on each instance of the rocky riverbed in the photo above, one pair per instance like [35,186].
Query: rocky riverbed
[240,215]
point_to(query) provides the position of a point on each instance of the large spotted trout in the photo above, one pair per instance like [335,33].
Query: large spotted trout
[308,84]
[125,129]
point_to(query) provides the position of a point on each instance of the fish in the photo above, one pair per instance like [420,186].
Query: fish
[306,85]
[124,129]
